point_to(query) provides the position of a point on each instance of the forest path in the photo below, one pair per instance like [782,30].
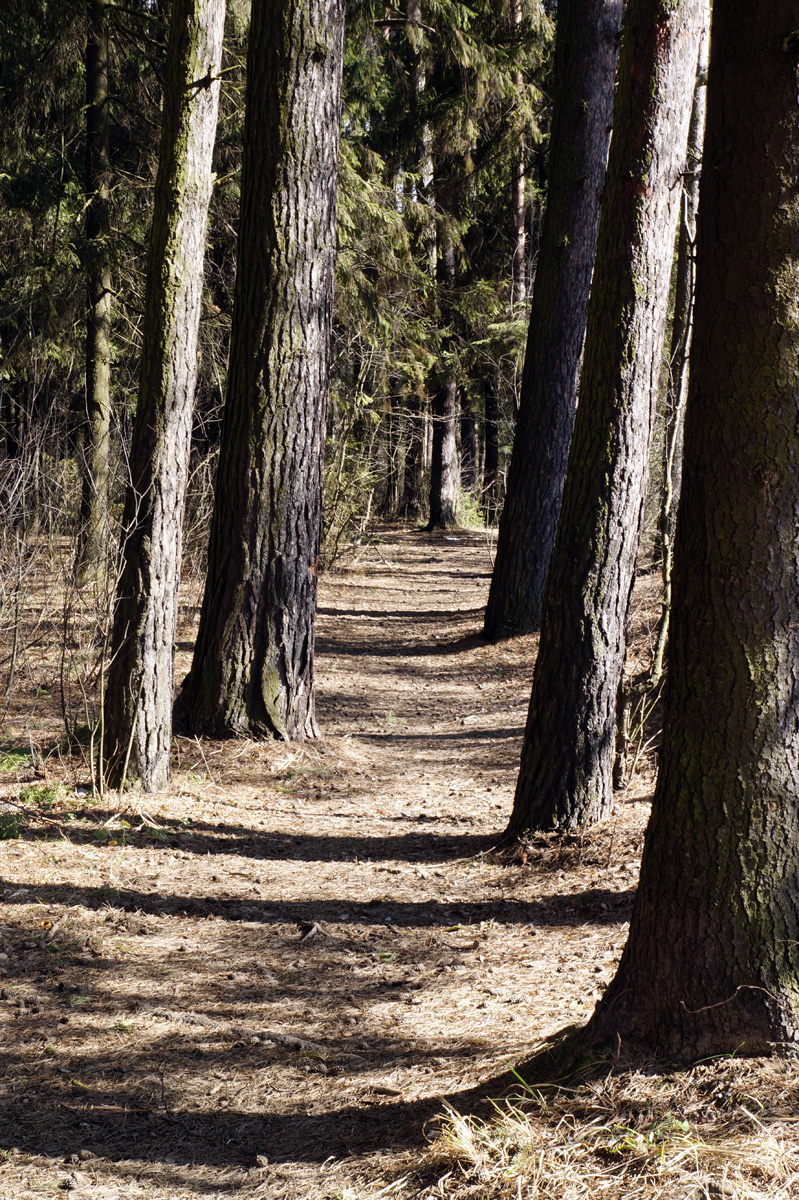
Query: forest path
[263,983]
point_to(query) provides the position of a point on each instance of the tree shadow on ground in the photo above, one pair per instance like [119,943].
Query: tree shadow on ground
[117,1132]
[597,905]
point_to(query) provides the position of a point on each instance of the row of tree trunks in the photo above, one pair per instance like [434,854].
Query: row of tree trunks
[586,51]
[565,777]
[93,539]
[138,699]
[711,966]
[252,671]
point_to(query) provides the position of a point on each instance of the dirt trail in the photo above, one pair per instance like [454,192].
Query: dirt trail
[263,983]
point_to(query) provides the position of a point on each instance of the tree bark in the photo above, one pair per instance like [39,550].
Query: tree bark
[712,962]
[413,489]
[586,52]
[469,447]
[252,671]
[491,459]
[139,694]
[518,203]
[444,464]
[93,539]
[565,779]
[444,461]
[680,356]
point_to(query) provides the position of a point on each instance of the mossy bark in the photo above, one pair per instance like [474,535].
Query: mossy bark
[711,966]
[565,778]
[139,693]
[252,671]
[92,538]
[586,52]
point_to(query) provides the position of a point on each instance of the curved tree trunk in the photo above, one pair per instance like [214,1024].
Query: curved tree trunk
[586,51]
[712,962]
[139,694]
[565,778]
[252,671]
[92,539]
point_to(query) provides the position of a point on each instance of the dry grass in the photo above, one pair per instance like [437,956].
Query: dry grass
[722,1129]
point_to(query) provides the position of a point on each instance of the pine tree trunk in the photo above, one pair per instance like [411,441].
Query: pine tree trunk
[139,694]
[412,503]
[469,448]
[518,204]
[252,671]
[680,356]
[444,463]
[712,962]
[491,459]
[565,778]
[92,539]
[586,51]
[444,460]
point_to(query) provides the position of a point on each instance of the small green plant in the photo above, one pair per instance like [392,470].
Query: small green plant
[40,795]
[11,826]
[12,760]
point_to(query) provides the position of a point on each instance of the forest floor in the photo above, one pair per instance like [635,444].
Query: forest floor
[278,979]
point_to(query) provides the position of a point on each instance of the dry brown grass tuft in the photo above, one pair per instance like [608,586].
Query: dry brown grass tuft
[725,1128]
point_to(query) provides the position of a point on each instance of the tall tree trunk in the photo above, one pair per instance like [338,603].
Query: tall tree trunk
[427,244]
[586,51]
[491,459]
[252,671]
[565,779]
[518,204]
[680,357]
[711,966]
[413,503]
[92,539]
[469,447]
[138,701]
[444,460]
[444,463]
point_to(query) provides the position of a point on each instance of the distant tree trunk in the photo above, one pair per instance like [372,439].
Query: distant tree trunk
[413,492]
[712,961]
[518,203]
[252,671]
[680,358]
[92,539]
[428,245]
[586,51]
[491,460]
[139,694]
[392,427]
[469,447]
[444,462]
[565,779]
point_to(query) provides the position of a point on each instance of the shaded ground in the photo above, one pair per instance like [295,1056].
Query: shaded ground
[263,983]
